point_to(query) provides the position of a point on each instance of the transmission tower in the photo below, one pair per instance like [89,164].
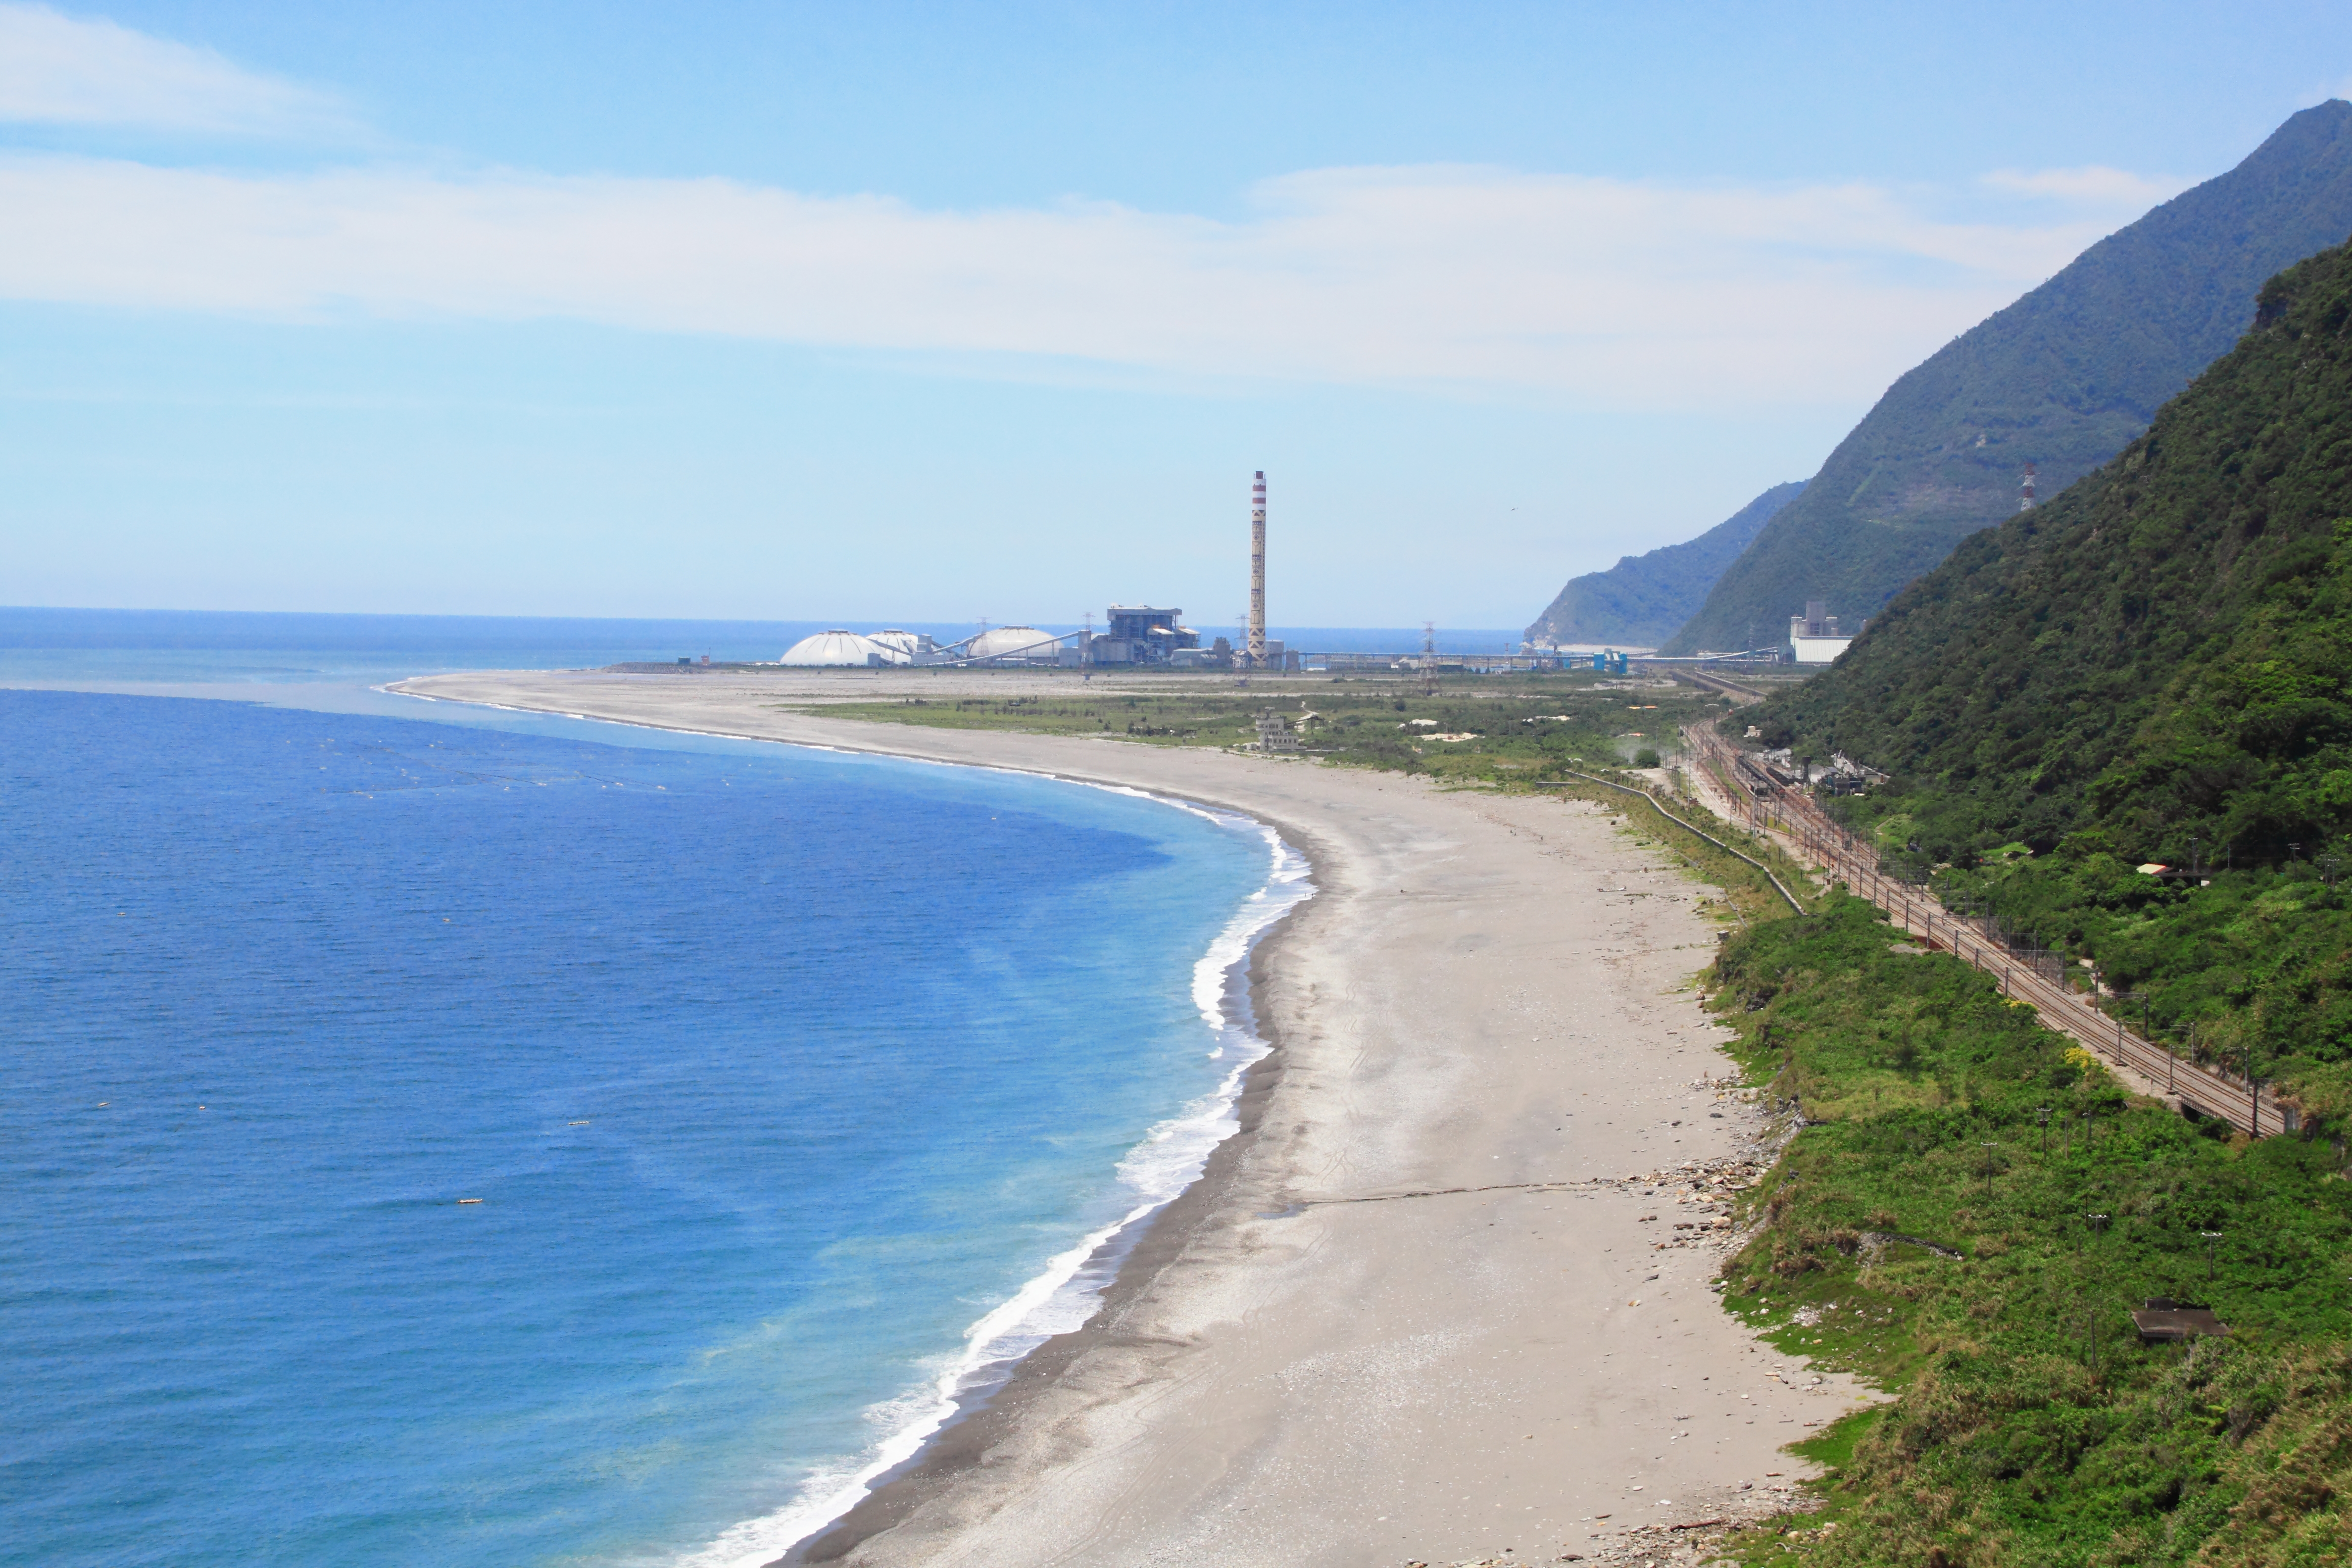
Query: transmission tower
[1429,659]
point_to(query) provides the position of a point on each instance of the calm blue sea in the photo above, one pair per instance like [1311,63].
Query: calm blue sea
[205,645]
[797,1090]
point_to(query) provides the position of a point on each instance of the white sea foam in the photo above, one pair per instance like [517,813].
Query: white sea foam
[1064,1294]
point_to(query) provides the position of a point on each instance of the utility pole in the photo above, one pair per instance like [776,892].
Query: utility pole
[2097,1222]
[2210,1236]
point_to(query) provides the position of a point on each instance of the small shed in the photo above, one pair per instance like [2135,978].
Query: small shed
[2166,1321]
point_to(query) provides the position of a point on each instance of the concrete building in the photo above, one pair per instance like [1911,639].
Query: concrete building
[914,645]
[1142,633]
[1816,635]
[1275,733]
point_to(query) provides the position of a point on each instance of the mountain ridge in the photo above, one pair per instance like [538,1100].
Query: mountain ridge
[2153,669]
[2065,377]
[1645,599]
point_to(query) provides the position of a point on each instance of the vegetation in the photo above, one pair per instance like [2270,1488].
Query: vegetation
[1484,729]
[2155,669]
[1645,599]
[2065,377]
[1568,735]
[2029,1426]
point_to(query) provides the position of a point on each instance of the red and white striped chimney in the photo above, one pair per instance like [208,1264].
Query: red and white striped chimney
[1257,650]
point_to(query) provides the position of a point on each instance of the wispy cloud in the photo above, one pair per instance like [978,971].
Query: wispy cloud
[56,70]
[1616,291]
[2091,185]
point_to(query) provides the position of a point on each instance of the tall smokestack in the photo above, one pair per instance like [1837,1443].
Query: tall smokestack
[1257,572]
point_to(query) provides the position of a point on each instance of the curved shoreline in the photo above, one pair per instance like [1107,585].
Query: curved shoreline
[1418,1311]
[1141,1245]
[959,1444]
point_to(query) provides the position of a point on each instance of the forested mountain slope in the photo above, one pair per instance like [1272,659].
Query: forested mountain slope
[2064,378]
[2155,667]
[1645,599]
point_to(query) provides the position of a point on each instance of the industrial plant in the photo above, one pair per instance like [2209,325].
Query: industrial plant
[1134,636]
[1816,636]
[1154,637]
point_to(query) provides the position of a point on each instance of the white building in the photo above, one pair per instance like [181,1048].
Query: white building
[841,649]
[911,646]
[1816,635]
[1015,642]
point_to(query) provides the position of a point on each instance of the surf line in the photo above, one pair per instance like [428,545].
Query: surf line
[1062,1295]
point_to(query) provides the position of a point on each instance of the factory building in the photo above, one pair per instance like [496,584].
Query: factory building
[1816,635]
[914,646]
[1142,633]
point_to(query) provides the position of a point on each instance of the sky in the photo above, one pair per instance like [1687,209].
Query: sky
[942,312]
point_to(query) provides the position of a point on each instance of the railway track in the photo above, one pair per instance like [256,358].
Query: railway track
[1800,824]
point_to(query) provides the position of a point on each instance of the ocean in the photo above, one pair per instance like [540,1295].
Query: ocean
[434,1136]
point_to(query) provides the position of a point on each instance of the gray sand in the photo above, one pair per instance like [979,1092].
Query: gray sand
[1469,1002]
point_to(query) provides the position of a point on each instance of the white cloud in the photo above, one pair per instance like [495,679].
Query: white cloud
[1606,291]
[60,70]
[2091,185]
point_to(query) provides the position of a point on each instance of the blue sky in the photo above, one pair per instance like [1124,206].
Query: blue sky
[936,312]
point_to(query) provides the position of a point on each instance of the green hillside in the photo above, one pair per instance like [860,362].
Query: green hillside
[2064,378]
[2029,1427]
[1646,599]
[2155,667]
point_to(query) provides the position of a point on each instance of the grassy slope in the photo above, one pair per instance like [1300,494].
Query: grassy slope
[2065,376]
[2012,1440]
[2156,666]
[1645,599]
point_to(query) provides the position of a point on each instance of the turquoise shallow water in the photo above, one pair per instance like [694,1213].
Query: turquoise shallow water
[795,1088]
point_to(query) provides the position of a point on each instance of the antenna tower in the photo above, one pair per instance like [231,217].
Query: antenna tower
[1429,659]
[1257,573]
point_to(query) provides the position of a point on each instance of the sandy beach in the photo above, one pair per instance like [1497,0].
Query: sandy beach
[1446,1297]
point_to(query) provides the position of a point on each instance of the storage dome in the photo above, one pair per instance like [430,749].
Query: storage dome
[1009,642]
[839,647]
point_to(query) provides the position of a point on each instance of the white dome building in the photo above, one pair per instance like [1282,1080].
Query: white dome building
[839,649]
[901,648]
[1012,642]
